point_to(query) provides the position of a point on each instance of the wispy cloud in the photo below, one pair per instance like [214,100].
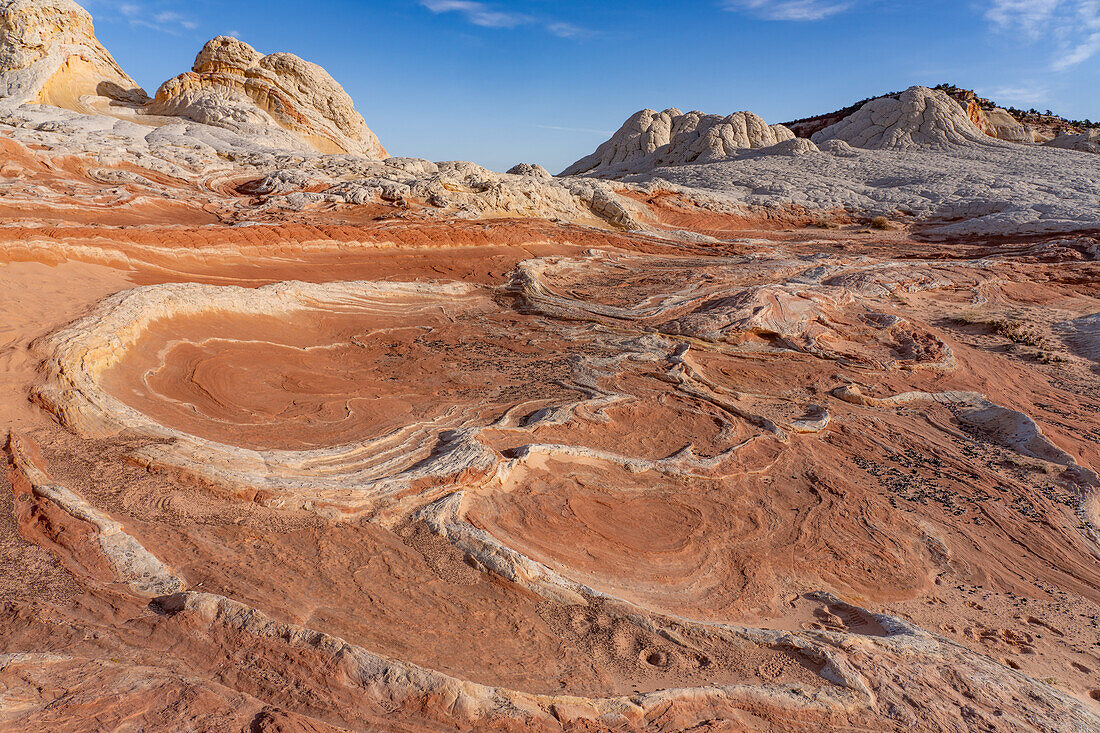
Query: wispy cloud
[488,16]
[170,17]
[1071,26]
[568,30]
[155,16]
[1032,94]
[788,9]
[478,13]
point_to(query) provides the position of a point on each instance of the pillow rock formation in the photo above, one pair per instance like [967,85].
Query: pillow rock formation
[918,117]
[652,139]
[49,55]
[232,85]
[1087,142]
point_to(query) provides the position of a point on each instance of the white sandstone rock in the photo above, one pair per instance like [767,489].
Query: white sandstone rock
[49,55]
[918,117]
[652,139]
[1003,126]
[1086,142]
[235,87]
[529,169]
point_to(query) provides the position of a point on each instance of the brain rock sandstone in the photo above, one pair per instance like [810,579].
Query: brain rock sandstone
[232,85]
[49,55]
[652,139]
[917,118]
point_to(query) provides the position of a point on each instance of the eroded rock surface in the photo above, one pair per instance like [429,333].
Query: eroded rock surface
[234,86]
[918,117]
[652,139]
[320,442]
[1086,142]
[49,55]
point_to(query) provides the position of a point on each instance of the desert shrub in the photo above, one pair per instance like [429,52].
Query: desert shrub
[880,222]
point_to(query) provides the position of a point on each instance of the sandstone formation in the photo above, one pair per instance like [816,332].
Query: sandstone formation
[652,139]
[918,117]
[1087,142]
[49,55]
[1010,125]
[529,169]
[234,86]
[292,441]
[990,119]
[1000,124]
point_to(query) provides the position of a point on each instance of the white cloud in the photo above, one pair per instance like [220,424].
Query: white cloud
[1029,16]
[1077,53]
[568,30]
[1027,95]
[487,16]
[141,15]
[478,13]
[788,9]
[1071,27]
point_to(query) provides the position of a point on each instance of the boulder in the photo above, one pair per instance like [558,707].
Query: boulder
[1000,124]
[529,169]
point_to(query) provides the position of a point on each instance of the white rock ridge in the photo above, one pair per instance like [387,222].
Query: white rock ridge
[49,55]
[917,118]
[233,86]
[1086,142]
[652,139]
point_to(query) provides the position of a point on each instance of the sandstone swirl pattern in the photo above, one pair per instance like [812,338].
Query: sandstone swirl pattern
[301,441]
[500,420]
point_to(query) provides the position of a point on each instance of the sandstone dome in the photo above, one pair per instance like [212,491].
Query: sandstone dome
[651,139]
[49,55]
[998,123]
[232,85]
[918,117]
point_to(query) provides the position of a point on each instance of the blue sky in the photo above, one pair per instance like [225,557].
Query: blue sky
[547,80]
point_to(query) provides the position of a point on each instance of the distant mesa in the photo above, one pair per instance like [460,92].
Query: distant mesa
[651,139]
[49,55]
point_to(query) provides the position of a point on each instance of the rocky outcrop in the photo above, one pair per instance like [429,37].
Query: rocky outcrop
[233,86]
[1087,142]
[49,55]
[918,117]
[529,169]
[652,139]
[990,119]
[999,123]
